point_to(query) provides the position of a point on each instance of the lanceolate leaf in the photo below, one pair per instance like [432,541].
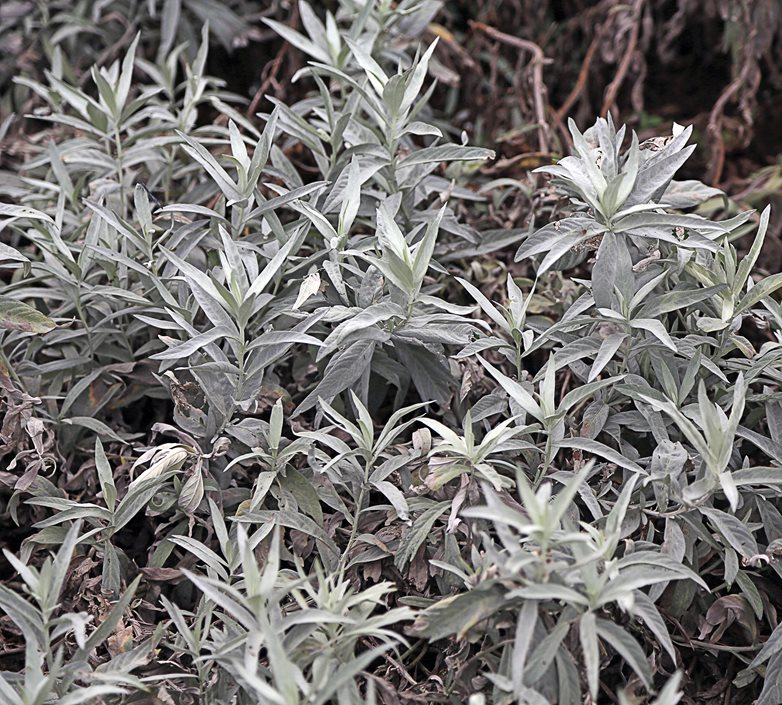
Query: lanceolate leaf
[341,372]
[416,534]
[520,395]
[455,615]
[587,633]
[627,647]
[447,153]
[16,315]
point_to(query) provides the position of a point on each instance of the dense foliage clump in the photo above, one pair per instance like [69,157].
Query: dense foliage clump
[294,413]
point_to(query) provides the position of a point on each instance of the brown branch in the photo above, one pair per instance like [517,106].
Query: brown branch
[714,128]
[269,77]
[624,65]
[583,75]
[567,140]
[538,87]
[270,70]
[113,50]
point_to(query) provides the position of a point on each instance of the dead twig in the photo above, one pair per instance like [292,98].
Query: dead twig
[538,87]
[714,128]
[583,75]
[271,70]
[113,50]
[268,77]
[624,65]
[559,124]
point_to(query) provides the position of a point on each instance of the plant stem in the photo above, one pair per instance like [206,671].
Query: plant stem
[356,515]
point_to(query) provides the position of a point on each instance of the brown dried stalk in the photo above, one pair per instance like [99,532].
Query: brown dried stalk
[613,88]
[538,87]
